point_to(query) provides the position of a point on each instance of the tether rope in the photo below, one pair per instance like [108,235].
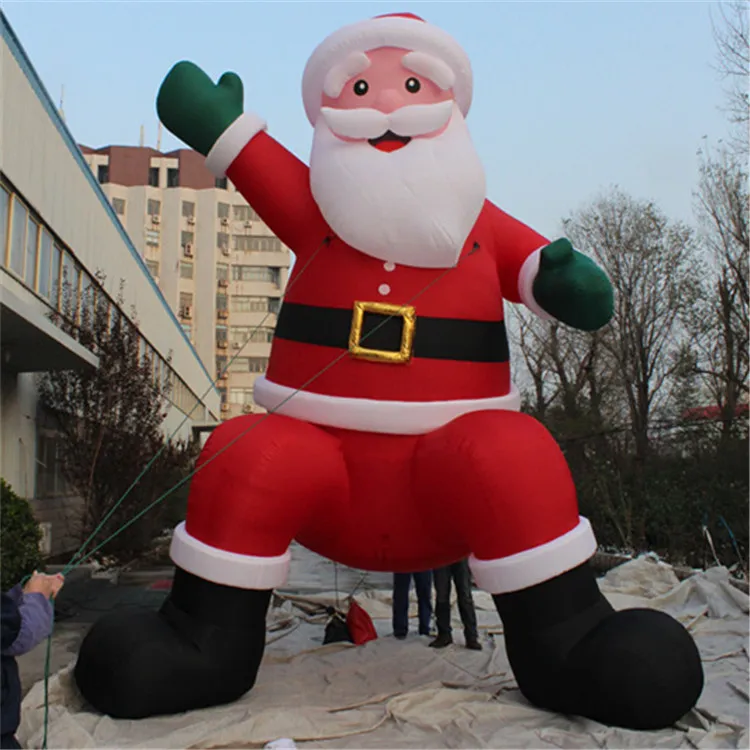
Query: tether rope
[77,560]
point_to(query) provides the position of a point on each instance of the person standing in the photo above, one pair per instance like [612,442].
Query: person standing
[401,586]
[459,573]
[27,617]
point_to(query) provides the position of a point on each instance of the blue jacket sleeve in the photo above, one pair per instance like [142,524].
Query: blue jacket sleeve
[36,615]
[10,620]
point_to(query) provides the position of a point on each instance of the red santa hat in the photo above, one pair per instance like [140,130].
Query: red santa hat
[435,54]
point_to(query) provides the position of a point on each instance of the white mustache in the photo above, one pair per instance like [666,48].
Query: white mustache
[417,119]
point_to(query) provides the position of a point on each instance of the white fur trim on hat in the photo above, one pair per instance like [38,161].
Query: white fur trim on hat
[388,31]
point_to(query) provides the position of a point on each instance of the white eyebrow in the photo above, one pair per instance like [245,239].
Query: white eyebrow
[430,67]
[339,74]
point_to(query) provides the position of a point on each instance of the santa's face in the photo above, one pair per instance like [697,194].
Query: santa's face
[393,168]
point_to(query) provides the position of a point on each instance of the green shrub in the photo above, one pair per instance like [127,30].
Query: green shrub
[19,538]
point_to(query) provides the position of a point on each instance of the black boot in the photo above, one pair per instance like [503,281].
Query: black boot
[573,654]
[442,640]
[203,648]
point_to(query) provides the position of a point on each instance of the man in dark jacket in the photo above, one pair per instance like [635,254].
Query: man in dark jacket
[460,574]
[26,620]
[401,586]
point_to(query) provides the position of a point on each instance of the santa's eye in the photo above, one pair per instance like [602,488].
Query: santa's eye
[412,85]
[361,87]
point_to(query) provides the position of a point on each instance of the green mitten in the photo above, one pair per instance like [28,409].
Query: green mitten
[572,288]
[196,109]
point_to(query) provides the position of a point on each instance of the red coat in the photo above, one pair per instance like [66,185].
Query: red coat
[411,398]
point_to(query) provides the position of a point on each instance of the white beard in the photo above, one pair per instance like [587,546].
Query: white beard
[413,207]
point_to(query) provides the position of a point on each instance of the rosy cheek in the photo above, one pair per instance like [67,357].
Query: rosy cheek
[347,100]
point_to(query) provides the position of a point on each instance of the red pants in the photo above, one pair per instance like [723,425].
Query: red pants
[492,484]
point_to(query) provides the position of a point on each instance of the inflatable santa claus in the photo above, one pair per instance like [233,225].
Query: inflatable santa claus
[394,440]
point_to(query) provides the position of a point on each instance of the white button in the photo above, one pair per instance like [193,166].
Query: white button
[390,266]
[384,289]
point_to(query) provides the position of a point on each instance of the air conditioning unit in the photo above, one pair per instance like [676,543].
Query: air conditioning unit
[221,344]
[188,250]
[224,221]
[223,314]
[225,251]
[248,225]
[223,283]
[191,220]
[224,408]
[187,312]
[247,409]
[221,380]
[236,345]
[155,219]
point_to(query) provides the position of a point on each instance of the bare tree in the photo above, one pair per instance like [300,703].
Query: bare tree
[110,419]
[720,322]
[652,265]
[733,62]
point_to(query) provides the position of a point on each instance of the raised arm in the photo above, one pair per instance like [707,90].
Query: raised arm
[550,278]
[209,118]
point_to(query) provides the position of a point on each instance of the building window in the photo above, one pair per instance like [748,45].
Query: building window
[119,206]
[50,481]
[186,238]
[241,396]
[186,269]
[259,244]
[32,238]
[221,183]
[188,328]
[45,258]
[153,207]
[222,272]
[88,296]
[256,273]
[152,237]
[153,267]
[18,236]
[173,177]
[4,208]
[242,303]
[103,173]
[222,241]
[221,366]
[249,364]
[221,334]
[243,334]
[244,213]
[186,300]
[221,301]
[153,176]
[55,277]
[222,210]
[188,209]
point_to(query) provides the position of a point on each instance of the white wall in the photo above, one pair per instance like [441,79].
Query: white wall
[61,188]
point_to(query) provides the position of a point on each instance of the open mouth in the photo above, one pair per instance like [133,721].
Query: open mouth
[389,141]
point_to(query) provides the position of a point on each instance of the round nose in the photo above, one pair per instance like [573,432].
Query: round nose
[388,100]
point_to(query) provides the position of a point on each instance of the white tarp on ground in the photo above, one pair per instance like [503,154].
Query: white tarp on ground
[401,694]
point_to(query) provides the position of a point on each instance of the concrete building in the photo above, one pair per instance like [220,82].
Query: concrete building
[218,265]
[56,223]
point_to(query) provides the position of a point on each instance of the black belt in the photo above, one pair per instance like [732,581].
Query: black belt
[393,333]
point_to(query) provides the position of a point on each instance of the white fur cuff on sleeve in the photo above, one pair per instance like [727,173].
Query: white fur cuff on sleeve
[232,141]
[526,277]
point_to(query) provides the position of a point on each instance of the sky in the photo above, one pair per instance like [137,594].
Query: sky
[569,98]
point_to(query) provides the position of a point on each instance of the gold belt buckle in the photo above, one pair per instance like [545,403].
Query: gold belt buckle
[405,312]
